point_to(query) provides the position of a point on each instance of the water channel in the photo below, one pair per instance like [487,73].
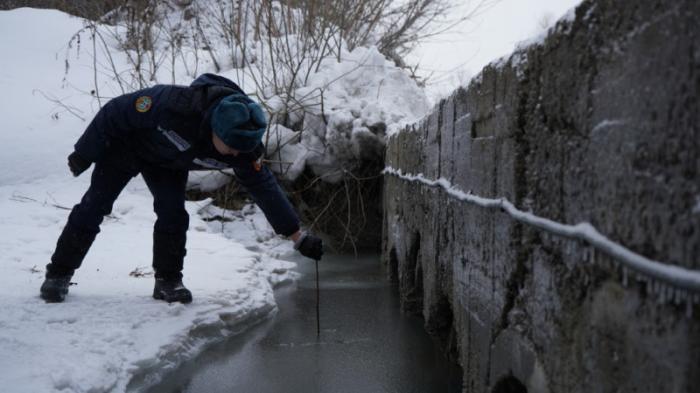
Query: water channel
[366,344]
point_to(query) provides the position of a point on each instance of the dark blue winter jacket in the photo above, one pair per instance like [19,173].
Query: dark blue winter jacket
[169,126]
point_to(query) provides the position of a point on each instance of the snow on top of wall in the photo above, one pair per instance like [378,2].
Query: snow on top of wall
[518,58]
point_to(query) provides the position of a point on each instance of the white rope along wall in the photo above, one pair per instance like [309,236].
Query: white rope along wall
[685,281]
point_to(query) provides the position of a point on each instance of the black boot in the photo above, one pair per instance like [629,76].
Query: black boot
[55,289]
[171,290]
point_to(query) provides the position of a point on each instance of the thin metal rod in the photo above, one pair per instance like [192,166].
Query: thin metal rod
[318,319]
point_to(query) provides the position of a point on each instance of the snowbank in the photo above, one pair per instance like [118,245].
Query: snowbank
[109,327]
[109,330]
[349,109]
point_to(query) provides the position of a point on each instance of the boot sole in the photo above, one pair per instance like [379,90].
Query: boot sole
[53,297]
[160,296]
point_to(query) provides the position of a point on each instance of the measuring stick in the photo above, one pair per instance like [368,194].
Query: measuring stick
[318,319]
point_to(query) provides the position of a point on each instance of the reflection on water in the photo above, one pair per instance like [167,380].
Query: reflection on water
[366,345]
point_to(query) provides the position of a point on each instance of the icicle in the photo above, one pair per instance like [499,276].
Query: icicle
[689,309]
[685,297]
[662,293]
[677,296]
[624,276]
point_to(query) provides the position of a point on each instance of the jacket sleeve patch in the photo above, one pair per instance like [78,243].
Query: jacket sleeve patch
[143,104]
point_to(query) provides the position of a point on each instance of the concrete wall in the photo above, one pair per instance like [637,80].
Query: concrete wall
[598,123]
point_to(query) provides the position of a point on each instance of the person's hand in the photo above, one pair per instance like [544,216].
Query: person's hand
[77,164]
[309,246]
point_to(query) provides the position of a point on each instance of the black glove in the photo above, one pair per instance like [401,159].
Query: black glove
[309,246]
[77,164]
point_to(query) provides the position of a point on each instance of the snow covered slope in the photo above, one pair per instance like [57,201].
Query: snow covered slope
[109,329]
[364,98]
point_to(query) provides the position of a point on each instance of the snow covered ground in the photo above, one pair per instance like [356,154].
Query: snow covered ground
[109,329]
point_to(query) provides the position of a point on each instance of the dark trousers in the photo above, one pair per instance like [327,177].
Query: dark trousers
[109,178]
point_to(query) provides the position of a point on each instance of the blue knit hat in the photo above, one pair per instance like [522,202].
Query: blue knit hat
[239,122]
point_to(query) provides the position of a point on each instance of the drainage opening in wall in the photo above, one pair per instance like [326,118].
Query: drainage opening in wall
[440,324]
[509,384]
[393,266]
[411,280]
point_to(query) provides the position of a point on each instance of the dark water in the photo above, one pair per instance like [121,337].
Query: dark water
[366,345]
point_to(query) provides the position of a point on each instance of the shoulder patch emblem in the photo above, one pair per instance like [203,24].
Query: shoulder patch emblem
[143,104]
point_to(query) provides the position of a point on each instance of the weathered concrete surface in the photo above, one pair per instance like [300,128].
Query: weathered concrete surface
[599,123]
